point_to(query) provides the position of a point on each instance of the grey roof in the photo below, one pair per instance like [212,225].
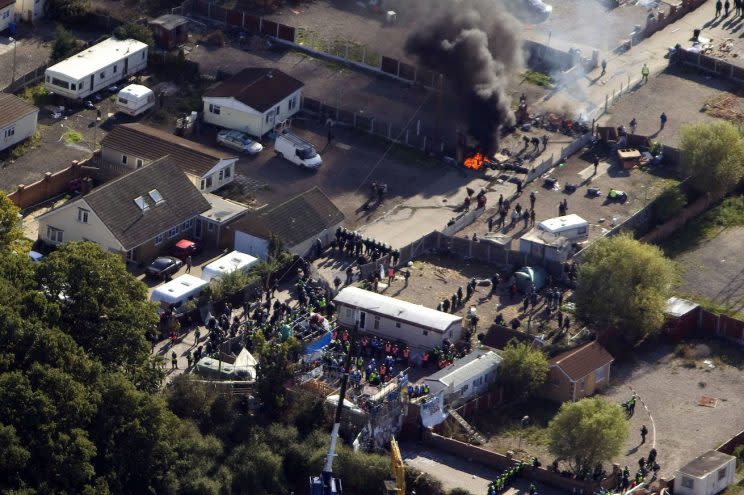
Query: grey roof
[294,221]
[222,210]
[706,463]
[114,202]
[259,88]
[679,307]
[415,314]
[170,21]
[12,109]
[472,365]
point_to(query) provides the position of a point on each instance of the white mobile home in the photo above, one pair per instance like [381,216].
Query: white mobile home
[135,99]
[572,227]
[96,68]
[177,291]
[466,377]
[18,120]
[709,474]
[420,327]
[228,264]
[253,101]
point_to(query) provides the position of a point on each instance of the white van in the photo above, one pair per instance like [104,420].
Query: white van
[227,264]
[135,99]
[177,291]
[572,227]
[297,150]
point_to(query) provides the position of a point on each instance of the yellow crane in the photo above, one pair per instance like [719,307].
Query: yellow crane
[397,468]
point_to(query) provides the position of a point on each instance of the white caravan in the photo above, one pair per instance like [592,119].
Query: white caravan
[135,99]
[176,292]
[228,264]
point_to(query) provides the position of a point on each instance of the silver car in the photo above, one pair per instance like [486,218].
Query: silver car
[238,141]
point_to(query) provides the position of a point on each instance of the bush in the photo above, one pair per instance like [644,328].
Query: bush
[24,147]
[669,204]
[64,44]
[68,11]
[37,94]
[231,283]
[135,31]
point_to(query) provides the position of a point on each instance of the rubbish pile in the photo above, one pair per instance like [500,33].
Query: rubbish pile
[722,50]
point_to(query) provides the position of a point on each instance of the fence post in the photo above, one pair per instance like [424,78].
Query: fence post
[260,24]
[364,54]
[346,55]
[242,20]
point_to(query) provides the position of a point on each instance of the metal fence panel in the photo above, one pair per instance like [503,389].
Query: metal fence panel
[269,27]
[286,33]
[389,65]
[252,23]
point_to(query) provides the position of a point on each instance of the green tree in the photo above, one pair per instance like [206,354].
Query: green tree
[273,370]
[523,369]
[64,44]
[624,284]
[135,31]
[10,232]
[101,305]
[713,156]
[586,432]
[68,11]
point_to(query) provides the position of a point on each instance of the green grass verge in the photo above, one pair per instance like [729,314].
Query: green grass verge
[71,137]
[538,78]
[22,148]
[729,213]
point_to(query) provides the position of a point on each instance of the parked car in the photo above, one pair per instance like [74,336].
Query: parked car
[163,267]
[184,248]
[238,141]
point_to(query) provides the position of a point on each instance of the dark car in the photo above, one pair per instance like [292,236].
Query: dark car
[163,267]
[184,248]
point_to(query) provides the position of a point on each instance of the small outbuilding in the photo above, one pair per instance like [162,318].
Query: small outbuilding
[572,227]
[682,317]
[18,120]
[466,377]
[541,246]
[170,31]
[579,373]
[420,327]
[708,474]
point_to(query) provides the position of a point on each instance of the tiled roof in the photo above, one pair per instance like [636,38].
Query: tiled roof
[259,88]
[114,202]
[5,3]
[579,362]
[294,221]
[13,108]
[150,143]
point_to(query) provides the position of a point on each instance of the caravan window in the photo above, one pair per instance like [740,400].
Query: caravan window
[215,109]
[114,69]
[60,83]
[123,101]
[72,86]
[102,75]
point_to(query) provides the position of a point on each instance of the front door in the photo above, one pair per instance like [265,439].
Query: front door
[362,319]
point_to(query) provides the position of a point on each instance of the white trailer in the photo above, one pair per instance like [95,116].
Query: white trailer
[572,227]
[135,99]
[177,291]
[96,68]
[228,264]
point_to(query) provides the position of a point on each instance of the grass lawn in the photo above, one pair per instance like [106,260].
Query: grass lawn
[506,422]
[729,213]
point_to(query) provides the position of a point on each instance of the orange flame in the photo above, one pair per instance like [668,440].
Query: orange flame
[475,162]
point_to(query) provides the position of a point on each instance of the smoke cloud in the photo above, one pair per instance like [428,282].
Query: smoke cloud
[476,46]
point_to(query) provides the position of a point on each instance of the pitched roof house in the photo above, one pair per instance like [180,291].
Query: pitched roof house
[132,146]
[254,100]
[579,372]
[298,222]
[18,120]
[136,215]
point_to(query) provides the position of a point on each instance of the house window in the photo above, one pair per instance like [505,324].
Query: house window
[54,235]
[10,131]
[83,215]
[159,239]
[721,474]
[687,482]
[6,14]
[201,186]
[210,226]
[124,159]
[377,323]
[215,109]
[292,103]
[268,117]
[187,225]
[349,313]
[228,172]
[599,375]
[139,163]
[222,173]
[172,232]
[209,181]
[464,389]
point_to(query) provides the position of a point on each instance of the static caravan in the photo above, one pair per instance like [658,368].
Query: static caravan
[572,227]
[96,68]
[228,264]
[177,291]
[135,99]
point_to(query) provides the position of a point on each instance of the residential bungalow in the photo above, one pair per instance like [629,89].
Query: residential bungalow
[137,215]
[131,146]
[708,474]
[579,373]
[253,101]
[466,377]
[298,223]
[17,120]
[420,327]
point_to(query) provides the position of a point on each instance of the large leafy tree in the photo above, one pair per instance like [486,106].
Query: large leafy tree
[713,155]
[101,306]
[586,432]
[624,284]
[523,369]
[10,232]
[67,11]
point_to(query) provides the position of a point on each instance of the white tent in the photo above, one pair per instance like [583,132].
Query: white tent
[228,264]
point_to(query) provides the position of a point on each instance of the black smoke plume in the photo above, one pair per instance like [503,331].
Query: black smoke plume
[476,46]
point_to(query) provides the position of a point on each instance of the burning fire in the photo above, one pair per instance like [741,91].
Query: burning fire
[475,162]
